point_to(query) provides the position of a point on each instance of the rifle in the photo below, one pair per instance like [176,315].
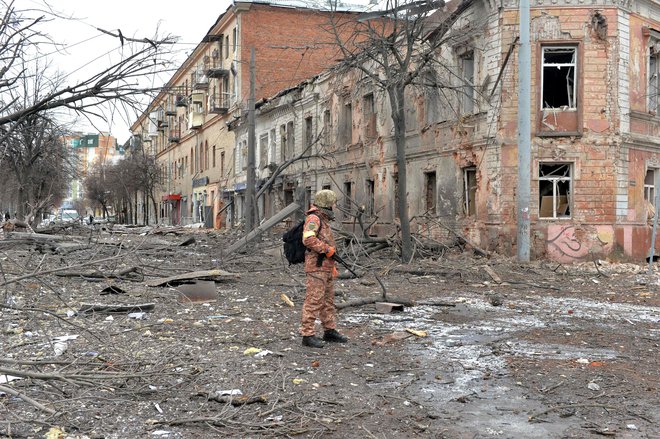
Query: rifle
[342,262]
[335,257]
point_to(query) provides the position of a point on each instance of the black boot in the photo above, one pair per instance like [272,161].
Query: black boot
[332,335]
[312,342]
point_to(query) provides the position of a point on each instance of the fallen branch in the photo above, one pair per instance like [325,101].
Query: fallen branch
[568,406]
[27,399]
[89,308]
[370,300]
[234,400]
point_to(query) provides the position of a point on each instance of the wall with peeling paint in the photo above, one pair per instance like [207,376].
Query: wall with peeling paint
[607,140]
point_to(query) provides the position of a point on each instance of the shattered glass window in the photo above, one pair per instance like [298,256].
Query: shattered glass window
[558,82]
[470,190]
[555,190]
[649,185]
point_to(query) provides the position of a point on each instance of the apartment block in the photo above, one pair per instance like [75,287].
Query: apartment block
[186,125]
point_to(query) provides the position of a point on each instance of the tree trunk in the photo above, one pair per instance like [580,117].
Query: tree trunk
[397,102]
[155,206]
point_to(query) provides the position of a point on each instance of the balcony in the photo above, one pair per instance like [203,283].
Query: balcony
[170,112]
[200,80]
[219,103]
[195,119]
[174,136]
[216,69]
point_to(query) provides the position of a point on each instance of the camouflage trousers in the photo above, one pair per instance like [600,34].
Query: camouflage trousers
[319,302]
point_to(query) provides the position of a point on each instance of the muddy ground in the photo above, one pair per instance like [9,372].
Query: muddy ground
[538,350]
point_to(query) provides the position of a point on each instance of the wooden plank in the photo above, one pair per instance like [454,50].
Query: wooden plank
[492,274]
[193,275]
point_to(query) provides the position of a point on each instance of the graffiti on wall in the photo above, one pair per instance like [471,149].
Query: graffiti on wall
[570,243]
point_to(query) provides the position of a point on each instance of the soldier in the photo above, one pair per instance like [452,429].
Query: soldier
[320,270]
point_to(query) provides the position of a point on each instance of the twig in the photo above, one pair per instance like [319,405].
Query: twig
[27,399]
[568,406]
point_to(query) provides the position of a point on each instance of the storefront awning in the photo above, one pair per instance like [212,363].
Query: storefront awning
[172,197]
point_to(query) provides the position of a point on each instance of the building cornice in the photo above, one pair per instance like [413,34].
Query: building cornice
[626,4]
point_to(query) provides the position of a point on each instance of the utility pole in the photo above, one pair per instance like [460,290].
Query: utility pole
[524,133]
[251,179]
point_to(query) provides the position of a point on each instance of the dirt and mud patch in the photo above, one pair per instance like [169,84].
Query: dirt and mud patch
[566,352]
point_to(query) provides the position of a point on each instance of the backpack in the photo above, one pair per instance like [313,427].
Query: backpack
[294,249]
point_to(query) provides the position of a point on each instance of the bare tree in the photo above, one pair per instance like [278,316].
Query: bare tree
[118,82]
[120,182]
[394,49]
[40,165]
[96,188]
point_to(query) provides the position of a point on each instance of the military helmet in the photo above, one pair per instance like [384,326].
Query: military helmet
[325,198]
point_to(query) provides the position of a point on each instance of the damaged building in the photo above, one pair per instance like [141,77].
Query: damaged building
[595,149]
[595,134]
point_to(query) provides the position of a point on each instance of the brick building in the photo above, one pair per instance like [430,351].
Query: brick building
[595,133]
[185,126]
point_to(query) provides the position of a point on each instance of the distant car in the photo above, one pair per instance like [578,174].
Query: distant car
[69,216]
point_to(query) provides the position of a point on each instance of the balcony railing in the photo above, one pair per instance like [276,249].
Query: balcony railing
[200,81]
[216,69]
[219,103]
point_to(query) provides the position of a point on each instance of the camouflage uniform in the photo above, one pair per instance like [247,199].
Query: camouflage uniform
[319,300]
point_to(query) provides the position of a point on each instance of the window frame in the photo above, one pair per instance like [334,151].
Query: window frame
[466,191]
[653,102]
[555,193]
[540,129]
[573,64]
[649,189]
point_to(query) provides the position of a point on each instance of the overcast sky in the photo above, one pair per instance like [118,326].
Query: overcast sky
[136,18]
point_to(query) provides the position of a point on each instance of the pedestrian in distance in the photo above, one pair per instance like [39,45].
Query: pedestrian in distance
[320,271]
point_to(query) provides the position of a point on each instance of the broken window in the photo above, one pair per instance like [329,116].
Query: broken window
[309,133]
[649,185]
[467,68]
[348,195]
[430,195]
[290,140]
[347,124]
[272,147]
[369,110]
[263,151]
[470,190]
[554,190]
[369,189]
[288,196]
[283,142]
[558,81]
[327,128]
[654,78]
